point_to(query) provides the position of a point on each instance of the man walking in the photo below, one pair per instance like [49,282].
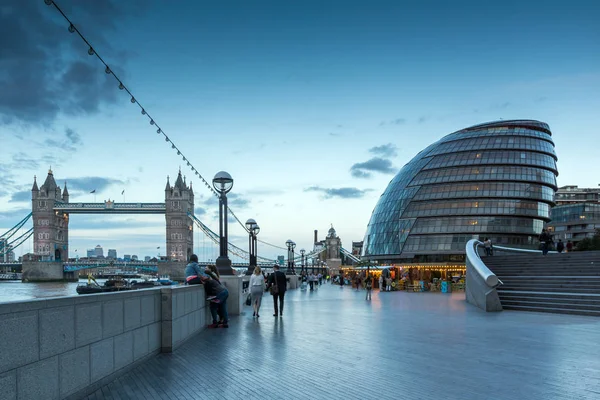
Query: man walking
[545,239]
[276,284]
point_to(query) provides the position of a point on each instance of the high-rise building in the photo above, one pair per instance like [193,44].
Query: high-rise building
[147,258]
[493,180]
[112,253]
[576,215]
[99,252]
[91,253]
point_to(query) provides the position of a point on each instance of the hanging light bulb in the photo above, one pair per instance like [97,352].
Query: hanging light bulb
[107,70]
[121,86]
[166,138]
[151,121]
[188,163]
[173,145]
[132,99]
[143,112]
[91,51]
[71,28]
[159,131]
[48,2]
[178,153]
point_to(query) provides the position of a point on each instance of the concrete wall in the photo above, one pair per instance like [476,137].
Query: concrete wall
[68,347]
[35,271]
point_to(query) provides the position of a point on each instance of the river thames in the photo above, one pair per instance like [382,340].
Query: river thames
[19,291]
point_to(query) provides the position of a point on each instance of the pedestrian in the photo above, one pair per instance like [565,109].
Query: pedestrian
[257,288]
[368,286]
[357,280]
[276,284]
[569,246]
[487,245]
[381,287]
[545,240]
[216,293]
[560,246]
[388,284]
[311,281]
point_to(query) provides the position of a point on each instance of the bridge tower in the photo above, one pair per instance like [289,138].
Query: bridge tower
[179,201]
[50,228]
[334,244]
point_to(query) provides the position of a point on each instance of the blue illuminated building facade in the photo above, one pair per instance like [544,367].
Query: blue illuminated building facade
[492,180]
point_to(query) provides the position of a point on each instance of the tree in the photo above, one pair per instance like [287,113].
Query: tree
[589,244]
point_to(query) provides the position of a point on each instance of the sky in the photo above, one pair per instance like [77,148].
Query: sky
[311,106]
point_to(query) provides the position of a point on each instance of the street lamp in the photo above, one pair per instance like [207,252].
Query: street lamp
[290,246]
[223,182]
[302,251]
[253,230]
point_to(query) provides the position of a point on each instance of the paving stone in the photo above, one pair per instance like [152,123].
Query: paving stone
[332,344]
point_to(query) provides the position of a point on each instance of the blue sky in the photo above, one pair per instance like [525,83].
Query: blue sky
[311,106]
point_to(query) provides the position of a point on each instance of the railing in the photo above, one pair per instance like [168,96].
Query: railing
[481,282]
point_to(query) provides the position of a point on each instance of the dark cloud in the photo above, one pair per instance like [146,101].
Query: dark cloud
[234,200]
[385,150]
[89,183]
[198,211]
[12,217]
[73,136]
[344,193]
[24,195]
[69,142]
[376,164]
[45,70]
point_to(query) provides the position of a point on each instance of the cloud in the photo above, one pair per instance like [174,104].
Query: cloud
[44,70]
[423,119]
[89,183]
[234,200]
[376,164]
[73,136]
[397,121]
[344,193]
[24,195]
[385,150]
[198,211]
[14,216]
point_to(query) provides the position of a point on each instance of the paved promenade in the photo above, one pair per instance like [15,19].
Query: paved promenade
[332,344]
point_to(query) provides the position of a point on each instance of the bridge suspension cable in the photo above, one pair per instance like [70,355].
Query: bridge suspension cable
[232,248]
[8,234]
[159,130]
[16,242]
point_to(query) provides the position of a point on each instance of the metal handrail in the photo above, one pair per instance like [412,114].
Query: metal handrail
[488,276]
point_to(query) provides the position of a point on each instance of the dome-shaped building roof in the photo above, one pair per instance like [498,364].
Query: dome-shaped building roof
[492,180]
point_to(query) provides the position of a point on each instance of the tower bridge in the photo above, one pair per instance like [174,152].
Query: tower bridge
[51,210]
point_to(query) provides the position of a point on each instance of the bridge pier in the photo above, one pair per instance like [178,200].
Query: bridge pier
[47,271]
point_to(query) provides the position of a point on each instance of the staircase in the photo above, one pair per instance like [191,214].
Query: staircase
[567,283]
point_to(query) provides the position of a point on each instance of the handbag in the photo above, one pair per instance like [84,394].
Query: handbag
[274,289]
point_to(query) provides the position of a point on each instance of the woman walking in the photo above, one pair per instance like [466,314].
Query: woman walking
[257,288]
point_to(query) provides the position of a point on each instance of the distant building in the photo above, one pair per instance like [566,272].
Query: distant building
[6,252]
[574,195]
[112,253]
[99,251]
[91,253]
[147,258]
[576,215]
[134,258]
[126,257]
[357,248]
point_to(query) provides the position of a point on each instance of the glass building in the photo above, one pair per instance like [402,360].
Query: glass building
[493,180]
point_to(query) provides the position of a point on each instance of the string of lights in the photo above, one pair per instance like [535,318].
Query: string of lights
[159,130]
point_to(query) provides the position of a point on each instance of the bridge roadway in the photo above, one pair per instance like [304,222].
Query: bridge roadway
[332,344]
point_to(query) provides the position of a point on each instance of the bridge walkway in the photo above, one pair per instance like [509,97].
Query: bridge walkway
[332,344]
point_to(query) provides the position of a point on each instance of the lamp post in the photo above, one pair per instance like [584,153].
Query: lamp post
[253,230]
[302,251]
[290,246]
[223,182]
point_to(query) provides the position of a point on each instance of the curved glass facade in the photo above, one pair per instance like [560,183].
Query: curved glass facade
[492,180]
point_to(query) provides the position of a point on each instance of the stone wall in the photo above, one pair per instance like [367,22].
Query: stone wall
[46,271]
[68,347]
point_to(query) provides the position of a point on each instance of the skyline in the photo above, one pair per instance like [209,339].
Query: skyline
[311,108]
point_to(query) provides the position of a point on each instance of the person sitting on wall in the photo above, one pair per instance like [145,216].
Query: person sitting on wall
[216,293]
